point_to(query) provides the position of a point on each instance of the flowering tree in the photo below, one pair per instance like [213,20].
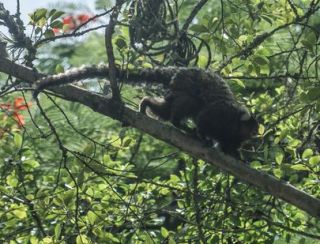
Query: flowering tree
[82,165]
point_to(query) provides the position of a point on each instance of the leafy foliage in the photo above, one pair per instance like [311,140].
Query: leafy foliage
[79,177]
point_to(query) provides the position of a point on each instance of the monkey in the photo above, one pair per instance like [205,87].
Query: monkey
[202,96]
[208,100]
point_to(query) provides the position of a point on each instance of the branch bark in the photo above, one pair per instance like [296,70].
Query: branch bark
[169,134]
[109,49]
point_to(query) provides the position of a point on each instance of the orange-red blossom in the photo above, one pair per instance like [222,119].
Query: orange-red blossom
[14,110]
[71,22]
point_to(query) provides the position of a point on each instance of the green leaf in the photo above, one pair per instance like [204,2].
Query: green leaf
[215,239]
[277,173]
[265,69]
[56,24]
[127,142]
[39,14]
[32,163]
[242,39]
[41,23]
[267,18]
[307,153]
[199,28]
[47,240]
[299,167]
[174,179]
[12,180]
[52,11]
[4,189]
[17,138]
[148,240]
[49,33]
[82,239]
[255,164]
[203,60]
[164,232]
[279,157]
[57,231]
[260,60]
[239,82]
[56,15]
[34,240]
[68,197]
[261,129]
[59,69]
[21,213]
[91,217]
[313,94]
[309,41]
[315,160]
[171,241]
[111,238]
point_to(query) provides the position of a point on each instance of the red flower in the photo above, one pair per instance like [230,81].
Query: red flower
[70,22]
[56,31]
[18,105]
[67,20]
[83,18]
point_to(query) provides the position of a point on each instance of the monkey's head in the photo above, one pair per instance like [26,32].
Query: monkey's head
[248,126]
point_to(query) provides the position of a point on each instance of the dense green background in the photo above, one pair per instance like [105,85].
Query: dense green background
[117,185]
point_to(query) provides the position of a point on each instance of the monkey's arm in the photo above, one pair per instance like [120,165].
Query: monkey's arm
[176,107]
[160,108]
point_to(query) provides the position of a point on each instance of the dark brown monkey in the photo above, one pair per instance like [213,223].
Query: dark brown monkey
[207,99]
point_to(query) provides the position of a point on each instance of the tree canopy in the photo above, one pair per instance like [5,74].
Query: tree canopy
[81,164]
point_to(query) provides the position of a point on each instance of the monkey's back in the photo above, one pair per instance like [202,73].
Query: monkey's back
[206,85]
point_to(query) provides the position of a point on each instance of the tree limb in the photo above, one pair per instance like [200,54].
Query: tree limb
[109,49]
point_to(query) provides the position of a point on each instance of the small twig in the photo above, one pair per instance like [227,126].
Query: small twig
[76,34]
[294,9]
[109,49]
[193,13]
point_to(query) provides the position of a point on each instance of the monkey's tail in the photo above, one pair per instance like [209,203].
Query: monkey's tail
[159,108]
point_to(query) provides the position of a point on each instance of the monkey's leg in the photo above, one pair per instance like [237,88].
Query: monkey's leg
[183,107]
[218,121]
[211,124]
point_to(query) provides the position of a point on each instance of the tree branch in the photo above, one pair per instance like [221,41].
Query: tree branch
[169,134]
[109,49]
